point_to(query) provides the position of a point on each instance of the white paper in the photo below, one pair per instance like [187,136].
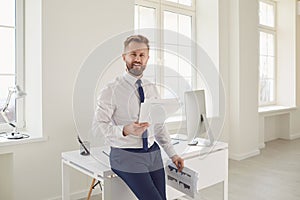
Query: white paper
[158,110]
[184,181]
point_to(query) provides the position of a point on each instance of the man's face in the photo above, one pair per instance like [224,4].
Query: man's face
[136,56]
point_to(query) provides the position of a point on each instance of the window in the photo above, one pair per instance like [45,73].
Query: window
[267,53]
[182,2]
[11,54]
[167,67]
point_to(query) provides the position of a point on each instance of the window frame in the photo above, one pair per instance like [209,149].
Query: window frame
[160,6]
[193,33]
[273,31]
[19,67]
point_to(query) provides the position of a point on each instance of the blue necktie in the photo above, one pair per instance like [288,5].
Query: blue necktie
[142,98]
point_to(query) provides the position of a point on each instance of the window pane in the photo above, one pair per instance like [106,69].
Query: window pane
[174,1]
[186,53]
[170,21]
[271,68]
[266,14]
[150,70]
[171,48]
[7,12]
[270,15]
[151,65]
[267,41]
[185,68]
[267,79]
[6,82]
[7,50]
[174,87]
[263,67]
[178,23]
[263,44]
[272,89]
[184,85]
[170,64]
[266,67]
[270,44]
[183,2]
[266,91]
[186,2]
[145,18]
[185,25]
[170,89]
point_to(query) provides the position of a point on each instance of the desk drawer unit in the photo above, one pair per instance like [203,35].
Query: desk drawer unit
[211,168]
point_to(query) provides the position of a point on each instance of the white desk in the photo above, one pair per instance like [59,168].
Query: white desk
[210,162]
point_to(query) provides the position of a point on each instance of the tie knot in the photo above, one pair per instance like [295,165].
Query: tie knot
[139,82]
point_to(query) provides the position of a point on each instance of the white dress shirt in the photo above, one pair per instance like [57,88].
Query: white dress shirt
[118,105]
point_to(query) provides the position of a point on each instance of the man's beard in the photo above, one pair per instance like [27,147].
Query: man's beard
[136,72]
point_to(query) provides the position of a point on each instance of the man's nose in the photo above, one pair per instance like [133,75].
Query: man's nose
[137,59]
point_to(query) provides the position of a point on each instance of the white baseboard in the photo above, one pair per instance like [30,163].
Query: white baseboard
[294,136]
[243,156]
[262,145]
[78,195]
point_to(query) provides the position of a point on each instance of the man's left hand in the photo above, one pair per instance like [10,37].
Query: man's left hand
[179,162]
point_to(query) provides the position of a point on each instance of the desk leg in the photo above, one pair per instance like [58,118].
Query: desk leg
[225,184]
[65,181]
[115,188]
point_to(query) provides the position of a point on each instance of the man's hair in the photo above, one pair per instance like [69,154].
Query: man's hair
[136,38]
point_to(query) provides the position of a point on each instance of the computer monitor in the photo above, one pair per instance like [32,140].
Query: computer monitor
[196,121]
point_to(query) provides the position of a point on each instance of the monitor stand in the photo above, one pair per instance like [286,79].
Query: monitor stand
[179,136]
[15,135]
[201,141]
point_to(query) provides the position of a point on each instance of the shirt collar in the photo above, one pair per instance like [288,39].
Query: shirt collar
[131,79]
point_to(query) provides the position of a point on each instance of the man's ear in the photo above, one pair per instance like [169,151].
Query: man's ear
[123,56]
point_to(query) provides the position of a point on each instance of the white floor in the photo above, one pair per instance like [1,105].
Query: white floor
[273,175]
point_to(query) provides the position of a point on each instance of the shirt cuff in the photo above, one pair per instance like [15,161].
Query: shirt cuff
[171,152]
[119,131]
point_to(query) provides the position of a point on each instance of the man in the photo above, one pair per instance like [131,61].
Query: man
[135,156]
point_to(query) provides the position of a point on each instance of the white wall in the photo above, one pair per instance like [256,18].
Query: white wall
[33,65]
[6,173]
[212,36]
[295,115]
[286,31]
[208,28]
[243,54]
[70,30]
[224,32]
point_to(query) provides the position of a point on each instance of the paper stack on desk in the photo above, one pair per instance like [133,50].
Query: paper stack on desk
[158,110]
[184,181]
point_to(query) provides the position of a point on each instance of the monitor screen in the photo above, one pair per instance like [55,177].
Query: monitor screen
[195,109]
[196,121]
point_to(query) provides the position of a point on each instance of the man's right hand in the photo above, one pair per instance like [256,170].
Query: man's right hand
[135,128]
